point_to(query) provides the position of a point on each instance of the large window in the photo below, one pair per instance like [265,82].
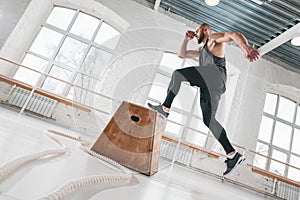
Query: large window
[72,46]
[279,137]
[185,120]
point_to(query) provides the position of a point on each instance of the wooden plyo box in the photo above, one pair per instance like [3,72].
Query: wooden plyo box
[132,138]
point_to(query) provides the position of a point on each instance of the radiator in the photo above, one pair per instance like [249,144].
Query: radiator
[183,154]
[37,103]
[287,191]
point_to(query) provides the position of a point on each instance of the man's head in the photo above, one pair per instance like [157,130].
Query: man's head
[202,32]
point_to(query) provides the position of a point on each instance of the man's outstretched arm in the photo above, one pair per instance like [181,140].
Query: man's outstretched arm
[250,53]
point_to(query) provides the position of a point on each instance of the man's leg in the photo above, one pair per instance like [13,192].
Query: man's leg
[209,108]
[189,74]
[209,101]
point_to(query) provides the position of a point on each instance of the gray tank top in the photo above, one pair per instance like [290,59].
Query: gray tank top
[206,58]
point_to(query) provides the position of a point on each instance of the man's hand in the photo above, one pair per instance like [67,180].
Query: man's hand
[251,54]
[189,35]
[183,53]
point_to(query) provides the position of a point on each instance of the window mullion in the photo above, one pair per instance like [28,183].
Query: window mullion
[286,151]
[292,137]
[52,59]
[73,77]
[90,45]
[66,34]
[272,134]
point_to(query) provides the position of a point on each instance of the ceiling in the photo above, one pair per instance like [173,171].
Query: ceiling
[261,24]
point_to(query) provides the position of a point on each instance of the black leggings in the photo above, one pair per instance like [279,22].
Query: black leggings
[208,79]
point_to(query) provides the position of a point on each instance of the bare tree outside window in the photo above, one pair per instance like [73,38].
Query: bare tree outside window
[73,46]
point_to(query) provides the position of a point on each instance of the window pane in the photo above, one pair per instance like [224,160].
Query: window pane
[294,173]
[260,161]
[199,125]
[85,26]
[95,62]
[46,42]
[298,116]
[265,129]
[197,111]
[196,138]
[282,135]
[270,103]
[60,17]
[177,117]
[107,36]
[56,86]
[173,128]
[286,109]
[35,62]
[295,161]
[86,82]
[276,167]
[185,98]
[71,52]
[27,76]
[190,62]
[262,148]
[158,90]
[278,155]
[171,60]
[296,140]
[82,96]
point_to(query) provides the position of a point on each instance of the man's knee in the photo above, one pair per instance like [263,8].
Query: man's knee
[178,75]
[211,122]
[207,121]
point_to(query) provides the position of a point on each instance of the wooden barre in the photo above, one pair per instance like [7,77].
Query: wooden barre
[274,176]
[44,93]
[195,148]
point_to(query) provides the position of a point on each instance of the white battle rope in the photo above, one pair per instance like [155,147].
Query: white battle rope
[86,181]
[73,186]
[14,165]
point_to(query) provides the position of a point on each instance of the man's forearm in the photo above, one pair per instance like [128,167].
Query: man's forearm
[250,53]
[182,52]
[240,40]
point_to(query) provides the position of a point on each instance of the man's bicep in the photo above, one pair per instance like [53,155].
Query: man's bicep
[191,54]
[224,37]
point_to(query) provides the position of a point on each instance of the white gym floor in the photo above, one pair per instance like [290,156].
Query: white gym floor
[23,135]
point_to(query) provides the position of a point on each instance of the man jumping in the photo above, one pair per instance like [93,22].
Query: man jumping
[210,76]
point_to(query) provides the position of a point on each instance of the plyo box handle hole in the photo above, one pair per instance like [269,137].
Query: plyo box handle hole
[135,118]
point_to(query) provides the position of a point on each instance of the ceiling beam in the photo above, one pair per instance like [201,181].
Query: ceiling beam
[279,40]
[156,5]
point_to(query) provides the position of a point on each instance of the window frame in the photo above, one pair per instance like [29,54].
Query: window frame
[270,144]
[90,43]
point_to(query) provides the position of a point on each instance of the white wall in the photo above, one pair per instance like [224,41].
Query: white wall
[10,13]
[145,35]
